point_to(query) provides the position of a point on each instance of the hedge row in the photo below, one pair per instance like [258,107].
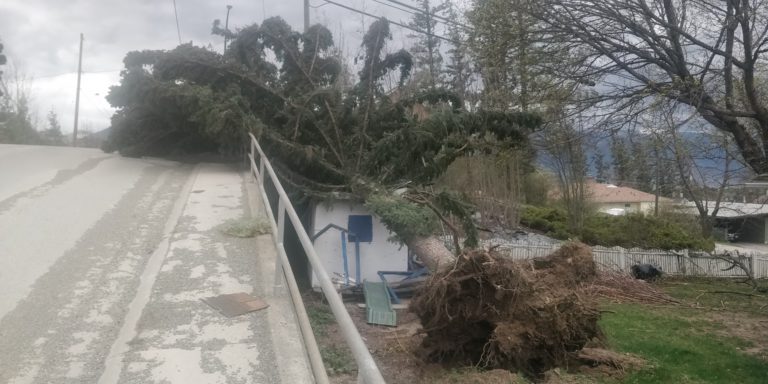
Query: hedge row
[634,230]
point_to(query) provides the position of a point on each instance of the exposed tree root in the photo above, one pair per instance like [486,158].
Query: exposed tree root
[492,312]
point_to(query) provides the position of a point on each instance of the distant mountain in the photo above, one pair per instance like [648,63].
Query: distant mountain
[711,163]
[94,139]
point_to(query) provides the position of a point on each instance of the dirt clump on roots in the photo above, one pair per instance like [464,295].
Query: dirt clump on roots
[491,312]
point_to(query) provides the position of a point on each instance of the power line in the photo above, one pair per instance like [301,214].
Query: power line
[392,22]
[412,13]
[69,73]
[421,11]
[176,14]
[98,99]
[395,7]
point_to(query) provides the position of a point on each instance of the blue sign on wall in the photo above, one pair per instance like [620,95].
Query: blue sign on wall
[361,228]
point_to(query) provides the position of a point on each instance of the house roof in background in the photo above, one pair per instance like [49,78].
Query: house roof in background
[609,193]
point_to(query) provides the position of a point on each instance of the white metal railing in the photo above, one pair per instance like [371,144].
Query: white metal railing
[368,372]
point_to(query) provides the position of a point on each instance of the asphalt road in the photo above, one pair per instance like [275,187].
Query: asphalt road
[104,260]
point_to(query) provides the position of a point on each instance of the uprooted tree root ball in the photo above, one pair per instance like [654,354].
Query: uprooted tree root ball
[492,312]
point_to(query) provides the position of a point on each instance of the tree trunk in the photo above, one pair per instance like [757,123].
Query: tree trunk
[432,252]
[707,223]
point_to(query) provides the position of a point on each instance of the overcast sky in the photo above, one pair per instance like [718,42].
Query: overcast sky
[41,40]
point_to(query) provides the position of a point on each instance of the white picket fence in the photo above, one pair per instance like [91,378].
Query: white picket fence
[681,263]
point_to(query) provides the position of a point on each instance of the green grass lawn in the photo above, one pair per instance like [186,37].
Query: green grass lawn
[680,346]
[728,294]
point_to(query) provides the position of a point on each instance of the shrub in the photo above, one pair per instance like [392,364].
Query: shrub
[549,220]
[635,230]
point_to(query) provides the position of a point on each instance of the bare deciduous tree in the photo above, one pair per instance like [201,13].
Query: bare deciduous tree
[705,162]
[743,263]
[709,55]
[563,143]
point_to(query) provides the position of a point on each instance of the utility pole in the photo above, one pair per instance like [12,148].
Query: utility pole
[226,28]
[77,93]
[306,15]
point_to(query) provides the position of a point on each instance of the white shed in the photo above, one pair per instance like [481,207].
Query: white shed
[376,252]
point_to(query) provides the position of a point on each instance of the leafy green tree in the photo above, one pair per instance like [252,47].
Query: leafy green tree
[493,43]
[15,119]
[668,182]
[640,167]
[621,160]
[520,67]
[458,70]
[426,51]
[601,168]
[52,135]
[280,85]
[3,60]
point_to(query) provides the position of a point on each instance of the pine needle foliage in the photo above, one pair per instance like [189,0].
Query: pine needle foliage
[404,218]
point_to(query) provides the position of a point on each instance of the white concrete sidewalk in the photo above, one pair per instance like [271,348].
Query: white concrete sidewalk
[170,336]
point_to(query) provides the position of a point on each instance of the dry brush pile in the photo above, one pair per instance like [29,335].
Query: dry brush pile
[526,316]
[619,287]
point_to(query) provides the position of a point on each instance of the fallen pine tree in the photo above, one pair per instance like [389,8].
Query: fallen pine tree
[326,141]
[492,312]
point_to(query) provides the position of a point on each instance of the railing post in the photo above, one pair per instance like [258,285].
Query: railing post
[280,221]
[251,158]
[368,372]
[280,231]
[261,171]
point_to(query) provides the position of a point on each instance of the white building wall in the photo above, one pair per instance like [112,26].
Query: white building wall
[378,255]
[648,207]
[605,207]
[645,207]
